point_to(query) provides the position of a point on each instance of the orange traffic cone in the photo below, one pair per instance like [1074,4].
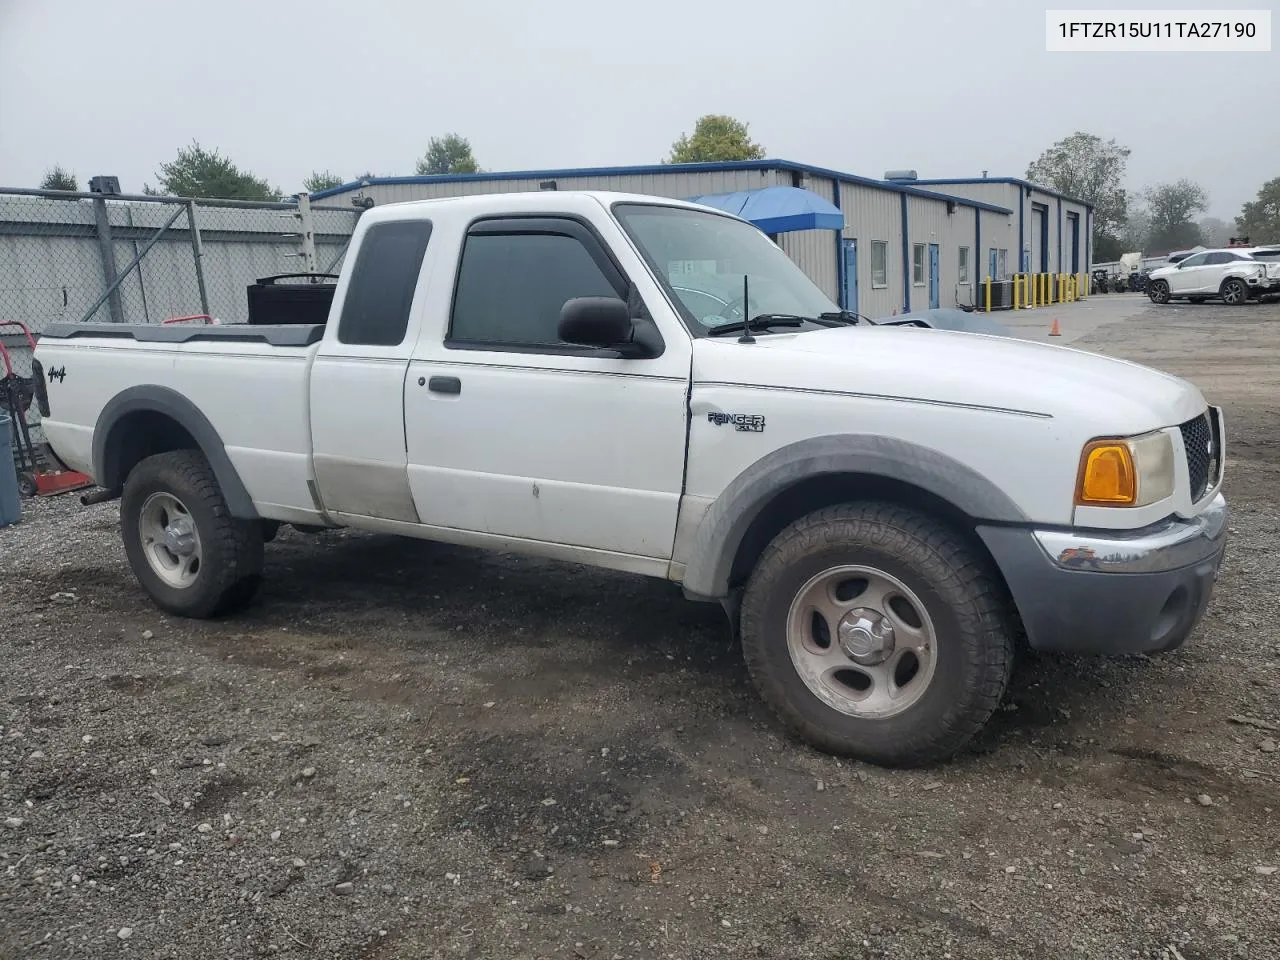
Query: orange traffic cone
[1053,330]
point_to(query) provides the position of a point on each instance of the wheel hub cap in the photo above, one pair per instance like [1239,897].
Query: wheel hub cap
[180,537]
[866,636]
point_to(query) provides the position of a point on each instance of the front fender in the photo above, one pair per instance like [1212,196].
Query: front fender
[727,520]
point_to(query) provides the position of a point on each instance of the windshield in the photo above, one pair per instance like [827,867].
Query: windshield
[702,258]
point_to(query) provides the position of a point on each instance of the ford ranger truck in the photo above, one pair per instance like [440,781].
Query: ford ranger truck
[652,386]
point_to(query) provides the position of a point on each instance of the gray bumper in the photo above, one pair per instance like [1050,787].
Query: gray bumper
[1091,591]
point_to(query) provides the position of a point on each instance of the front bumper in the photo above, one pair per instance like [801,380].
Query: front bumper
[1088,591]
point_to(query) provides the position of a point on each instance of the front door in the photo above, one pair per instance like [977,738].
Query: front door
[1189,277]
[935,281]
[850,300]
[512,432]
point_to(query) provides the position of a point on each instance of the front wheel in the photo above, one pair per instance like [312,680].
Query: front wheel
[191,556]
[875,632]
[1158,291]
[1234,292]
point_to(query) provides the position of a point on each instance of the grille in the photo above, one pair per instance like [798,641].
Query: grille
[1202,453]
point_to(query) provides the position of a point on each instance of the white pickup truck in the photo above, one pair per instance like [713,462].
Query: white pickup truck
[884,512]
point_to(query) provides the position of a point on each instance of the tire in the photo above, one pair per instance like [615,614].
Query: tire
[1234,292]
[956,598]
[1158,291]
[177,492]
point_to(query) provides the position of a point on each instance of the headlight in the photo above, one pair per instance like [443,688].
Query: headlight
[1131,472]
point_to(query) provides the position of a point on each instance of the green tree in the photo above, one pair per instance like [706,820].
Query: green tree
[197,172]
[448,154]
[715,137]
[1107,248]
[59,178]
[1172,208]
[321,181]
[1088,168]
[1260,218]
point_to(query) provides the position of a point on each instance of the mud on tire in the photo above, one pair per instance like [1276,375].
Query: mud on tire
[964,605]
[228,568]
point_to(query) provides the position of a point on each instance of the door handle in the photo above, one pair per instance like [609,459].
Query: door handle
[445,385]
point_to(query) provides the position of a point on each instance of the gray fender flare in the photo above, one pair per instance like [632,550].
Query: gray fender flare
[152,398]
[727,520]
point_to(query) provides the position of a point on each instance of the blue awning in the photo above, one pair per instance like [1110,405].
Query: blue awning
[777,209]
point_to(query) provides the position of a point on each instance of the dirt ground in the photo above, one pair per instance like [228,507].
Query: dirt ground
[414,750]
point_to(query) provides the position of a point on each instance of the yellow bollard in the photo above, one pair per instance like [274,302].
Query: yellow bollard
[987,282]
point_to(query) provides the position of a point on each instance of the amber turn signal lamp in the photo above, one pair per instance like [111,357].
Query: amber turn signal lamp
[1107,477]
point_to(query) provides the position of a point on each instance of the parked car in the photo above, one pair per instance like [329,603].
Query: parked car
[881,509]
[1232,276]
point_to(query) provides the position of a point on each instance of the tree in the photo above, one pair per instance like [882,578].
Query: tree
[1171,207]
[321,181]
[1215,232]
[1260,218]
[448,154]
[197,172]
[1107,248]
[715,137]
[1090,169]
[59,179]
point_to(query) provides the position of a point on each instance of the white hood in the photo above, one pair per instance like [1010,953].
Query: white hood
[955,368]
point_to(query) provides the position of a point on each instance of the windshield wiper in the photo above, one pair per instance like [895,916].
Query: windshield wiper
[761,321]
[848,317]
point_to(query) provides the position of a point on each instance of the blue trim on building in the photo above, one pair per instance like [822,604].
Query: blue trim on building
[906,259]
[960,181]
[1024,259]
[840,284]
[1059,234]
[664,168]
[975,276]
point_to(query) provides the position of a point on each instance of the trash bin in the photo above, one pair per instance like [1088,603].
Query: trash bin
[10,502]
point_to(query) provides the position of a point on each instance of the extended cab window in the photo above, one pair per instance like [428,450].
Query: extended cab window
[376,309]
[512,284]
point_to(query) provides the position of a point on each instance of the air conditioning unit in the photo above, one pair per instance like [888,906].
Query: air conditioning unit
[900,175]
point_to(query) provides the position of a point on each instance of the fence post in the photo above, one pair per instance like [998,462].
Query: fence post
[107,251]
[197,254]
[307,228]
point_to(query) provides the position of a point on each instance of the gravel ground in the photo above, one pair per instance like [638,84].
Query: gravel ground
[414,750]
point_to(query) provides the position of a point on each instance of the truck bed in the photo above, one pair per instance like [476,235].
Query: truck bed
[285,335]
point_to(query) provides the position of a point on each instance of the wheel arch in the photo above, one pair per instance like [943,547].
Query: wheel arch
[802,477]
[148,419]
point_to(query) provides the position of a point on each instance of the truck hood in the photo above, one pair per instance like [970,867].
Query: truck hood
[966,369]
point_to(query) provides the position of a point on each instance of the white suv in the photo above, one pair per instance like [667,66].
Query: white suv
[1232,276]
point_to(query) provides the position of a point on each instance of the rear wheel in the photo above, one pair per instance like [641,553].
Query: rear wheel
[1234,292]
[875,632]
[1158,291]
[191,556]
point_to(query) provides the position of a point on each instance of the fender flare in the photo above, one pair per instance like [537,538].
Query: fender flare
[727,520]
[153,398]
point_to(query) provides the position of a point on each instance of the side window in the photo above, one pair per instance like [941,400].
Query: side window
[1198,260]
[512,285]
[963,265]
[879,263]
[376,309]
[1216,258]
[917,264]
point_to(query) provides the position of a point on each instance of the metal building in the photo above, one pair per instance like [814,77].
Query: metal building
[874,246]
[1053,229]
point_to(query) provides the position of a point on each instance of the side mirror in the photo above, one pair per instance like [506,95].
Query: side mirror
[595,322]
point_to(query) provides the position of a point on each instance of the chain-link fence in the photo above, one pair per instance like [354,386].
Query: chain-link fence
[92,257]
[108,258]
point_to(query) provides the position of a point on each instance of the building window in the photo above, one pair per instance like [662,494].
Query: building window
[1002,263]
[879,263]
[917,264]
[964,264]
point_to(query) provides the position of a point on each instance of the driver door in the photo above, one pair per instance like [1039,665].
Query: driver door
[1190,275]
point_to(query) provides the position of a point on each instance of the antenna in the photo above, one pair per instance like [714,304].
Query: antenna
[746,314]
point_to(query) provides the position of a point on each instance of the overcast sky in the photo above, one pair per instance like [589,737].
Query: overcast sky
[947,87]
